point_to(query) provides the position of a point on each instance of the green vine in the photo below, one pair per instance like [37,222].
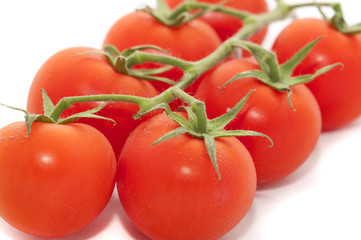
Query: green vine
[197,125]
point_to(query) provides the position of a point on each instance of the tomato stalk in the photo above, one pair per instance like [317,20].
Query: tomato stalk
[182,13]
[275,75]
[123,62]
[338,21]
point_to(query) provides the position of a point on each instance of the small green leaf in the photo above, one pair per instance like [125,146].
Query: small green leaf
[77,116]
[267,60]
[191,115]
[263,77]
[176,132]
[289,98]
[47,103]
[288,67]
[14,108]
[217,124]
[309,77]
[112,50]
[211,149]
[86,114]
[181,121]
[110,57]
[241,133]
[30,118]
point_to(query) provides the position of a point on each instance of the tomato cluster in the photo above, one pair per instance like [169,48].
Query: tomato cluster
[170,190]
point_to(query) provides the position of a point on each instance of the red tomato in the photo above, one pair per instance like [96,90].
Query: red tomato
[294,133]
[56,181]
[65,74]
[338,91]
[226,25]
[191,41]
[171,190]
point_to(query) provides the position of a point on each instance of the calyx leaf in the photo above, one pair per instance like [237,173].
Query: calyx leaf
[30,118]
[182,13]
[86,114]
[338,21]
[49,109]
[119,61]
[200,127]
[278,76]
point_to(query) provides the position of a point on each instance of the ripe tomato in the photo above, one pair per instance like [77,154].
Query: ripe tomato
[338,91]
[191,41]
[171,190]
[66,74]
[226,25]
[56,181]
[294,133]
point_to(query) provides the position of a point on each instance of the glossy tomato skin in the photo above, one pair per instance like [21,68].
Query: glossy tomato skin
[171,190]
[68,74]
[191,41]
[294,133]
[56,181]
[338,91]
[225,25]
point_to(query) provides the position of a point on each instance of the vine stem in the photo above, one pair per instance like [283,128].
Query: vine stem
[192,70]
[67,102]
[252,23]
[188,6]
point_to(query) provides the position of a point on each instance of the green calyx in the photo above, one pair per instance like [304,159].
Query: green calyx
[278,76]
[123,62]
[198,126]
[50,115]
[338,21]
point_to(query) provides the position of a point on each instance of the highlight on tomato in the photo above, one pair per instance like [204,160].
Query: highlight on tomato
[70,72]
[55,181]
[171,190]
[338,91]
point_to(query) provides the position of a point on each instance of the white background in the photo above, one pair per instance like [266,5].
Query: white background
[321,200]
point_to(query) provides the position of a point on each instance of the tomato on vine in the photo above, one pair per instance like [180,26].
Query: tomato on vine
[55,181]
[338,91]
[67,73]
[282,107]
[294,133]
[171,191]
